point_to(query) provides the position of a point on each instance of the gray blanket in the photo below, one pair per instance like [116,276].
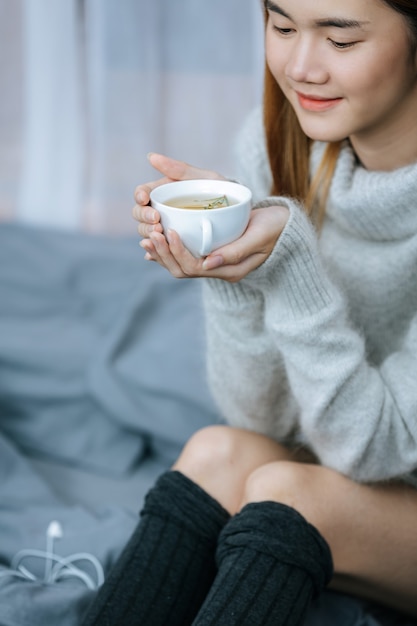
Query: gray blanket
[102,380]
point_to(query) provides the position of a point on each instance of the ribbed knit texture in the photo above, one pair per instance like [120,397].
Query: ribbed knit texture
[271,564]
[168,566]
[318,344]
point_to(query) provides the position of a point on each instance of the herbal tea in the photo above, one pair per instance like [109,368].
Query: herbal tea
[202,202]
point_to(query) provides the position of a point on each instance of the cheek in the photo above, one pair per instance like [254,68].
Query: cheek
[387,72]
[368,79]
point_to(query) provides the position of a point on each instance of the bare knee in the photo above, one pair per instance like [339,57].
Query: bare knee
[211,459]
[208,449]
[295,484]
[220,458]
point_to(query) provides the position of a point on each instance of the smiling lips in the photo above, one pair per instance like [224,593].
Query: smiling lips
[311,103]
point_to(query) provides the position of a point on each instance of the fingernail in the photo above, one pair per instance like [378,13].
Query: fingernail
[211,262]
[148,156]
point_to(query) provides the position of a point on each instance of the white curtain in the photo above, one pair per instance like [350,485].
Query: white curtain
[89,87]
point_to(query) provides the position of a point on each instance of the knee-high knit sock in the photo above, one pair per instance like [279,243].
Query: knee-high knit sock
[271,563]
[164,573]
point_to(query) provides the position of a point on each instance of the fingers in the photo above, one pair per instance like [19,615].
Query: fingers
[157,249]
[178,170]
[216,266]
[142,192]
[150,251]
[231,262]
[175,257]
[182,264]
[172,170]
[148,218]
[234,261]
[250,245]
[172,255]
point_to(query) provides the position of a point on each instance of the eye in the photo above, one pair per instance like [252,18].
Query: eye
[342,45]
[283,31]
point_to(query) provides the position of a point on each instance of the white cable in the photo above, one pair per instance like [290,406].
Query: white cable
[26,573]
[82,556]
[54,531]
[56,567]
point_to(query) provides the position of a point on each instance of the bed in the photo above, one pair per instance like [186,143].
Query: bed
[102,380]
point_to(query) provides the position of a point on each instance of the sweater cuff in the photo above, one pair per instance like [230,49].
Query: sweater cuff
[234,296]
[226,301]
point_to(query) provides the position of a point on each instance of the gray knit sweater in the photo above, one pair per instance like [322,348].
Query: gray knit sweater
[319,344]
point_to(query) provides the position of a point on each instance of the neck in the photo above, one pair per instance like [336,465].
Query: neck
[387,157]
[390,149]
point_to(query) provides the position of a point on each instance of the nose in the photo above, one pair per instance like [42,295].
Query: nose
[306,62]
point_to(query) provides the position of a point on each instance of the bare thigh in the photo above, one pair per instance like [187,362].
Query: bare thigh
[371,530]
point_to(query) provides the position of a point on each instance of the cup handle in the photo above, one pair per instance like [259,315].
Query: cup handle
[207,231]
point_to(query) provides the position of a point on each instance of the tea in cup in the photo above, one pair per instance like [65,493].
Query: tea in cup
[206,214]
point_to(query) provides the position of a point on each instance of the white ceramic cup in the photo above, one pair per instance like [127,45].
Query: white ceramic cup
[204,230]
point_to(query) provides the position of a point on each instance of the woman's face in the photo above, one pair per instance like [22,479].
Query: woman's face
[348,68]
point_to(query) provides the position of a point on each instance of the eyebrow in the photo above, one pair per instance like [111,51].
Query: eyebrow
[337,22]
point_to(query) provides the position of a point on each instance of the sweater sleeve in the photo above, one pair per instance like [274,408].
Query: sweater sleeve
[359,418]
[240,349]
[246,370]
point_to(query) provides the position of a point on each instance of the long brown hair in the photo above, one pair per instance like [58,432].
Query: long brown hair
[288,146]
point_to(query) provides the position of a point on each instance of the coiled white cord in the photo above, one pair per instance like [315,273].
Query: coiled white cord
[56,567]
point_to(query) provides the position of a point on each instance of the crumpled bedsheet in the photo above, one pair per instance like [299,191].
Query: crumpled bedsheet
[101,372]
[101,376]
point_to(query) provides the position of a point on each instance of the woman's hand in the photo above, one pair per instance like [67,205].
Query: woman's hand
[172,170]
[230,262]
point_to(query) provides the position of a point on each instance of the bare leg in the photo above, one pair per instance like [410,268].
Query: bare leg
[220,459]
[371,530]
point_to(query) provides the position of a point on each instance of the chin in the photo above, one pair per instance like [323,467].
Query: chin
[326,135]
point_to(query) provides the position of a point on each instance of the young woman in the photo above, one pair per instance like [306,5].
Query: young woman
[312,345]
